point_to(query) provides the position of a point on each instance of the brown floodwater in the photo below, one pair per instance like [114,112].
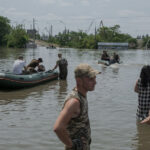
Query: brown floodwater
[27,115]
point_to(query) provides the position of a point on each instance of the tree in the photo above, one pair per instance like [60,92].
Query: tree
[146,41]
[17,38]
[132,43]
[5,29]
[81,39]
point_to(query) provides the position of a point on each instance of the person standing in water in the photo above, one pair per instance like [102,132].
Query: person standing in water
[72,125]
[62,63]
[142,87]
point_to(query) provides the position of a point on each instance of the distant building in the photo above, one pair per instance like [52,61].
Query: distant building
[44,37]
[106,45]
[31,33]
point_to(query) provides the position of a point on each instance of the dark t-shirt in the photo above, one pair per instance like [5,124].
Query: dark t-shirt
[34,63]
[63,71]
[105,56]
[116,57]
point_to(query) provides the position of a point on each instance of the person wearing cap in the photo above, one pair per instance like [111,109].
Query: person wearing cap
[63,67]
[31,67]
[72,125]
[19,65]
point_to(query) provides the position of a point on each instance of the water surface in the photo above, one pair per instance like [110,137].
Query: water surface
[27,116]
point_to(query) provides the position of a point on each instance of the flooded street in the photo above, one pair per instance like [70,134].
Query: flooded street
[27,116]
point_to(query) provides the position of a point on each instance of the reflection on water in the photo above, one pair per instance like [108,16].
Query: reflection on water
[13,95]
[62,91]
[63,87]
[143,137]
[27,115]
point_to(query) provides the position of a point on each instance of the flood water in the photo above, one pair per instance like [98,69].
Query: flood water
[27,116]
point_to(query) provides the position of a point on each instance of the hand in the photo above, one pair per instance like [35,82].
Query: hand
[77,144]
[146,120]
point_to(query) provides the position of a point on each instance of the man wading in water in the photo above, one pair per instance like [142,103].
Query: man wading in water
[72,125]
[63,64]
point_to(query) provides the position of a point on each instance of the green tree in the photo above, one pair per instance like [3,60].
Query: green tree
[4,29]
[132,43]
[112,34]
[81,39]
[146,41]
[17,37]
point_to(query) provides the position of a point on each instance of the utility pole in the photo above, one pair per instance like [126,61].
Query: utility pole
[101,23]
[95,32]
[34,30]
[95,37]
[103,28]
[51,30]
[33,23]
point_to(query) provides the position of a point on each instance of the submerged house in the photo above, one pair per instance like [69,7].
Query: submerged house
[112,45]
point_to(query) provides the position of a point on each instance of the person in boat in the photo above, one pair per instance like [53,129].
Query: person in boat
[116,57]
[72,125]
[31,67]
[105,56]
[19,65]
[62,63]
[112,60]
[41,68]
[142,87]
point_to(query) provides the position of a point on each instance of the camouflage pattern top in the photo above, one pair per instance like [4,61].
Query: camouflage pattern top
[34,63]
[80,126]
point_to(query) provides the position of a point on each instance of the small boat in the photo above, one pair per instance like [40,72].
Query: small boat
[106,64]
[114,66]
[9,80]
[103,63]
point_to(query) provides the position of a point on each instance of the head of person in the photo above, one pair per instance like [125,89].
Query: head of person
[145,75]
[85,77]
[40,60]
[20,57]
[41,68]
[104,52]
[59,55]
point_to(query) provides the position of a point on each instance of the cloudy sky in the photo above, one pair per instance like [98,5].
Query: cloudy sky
[133,16]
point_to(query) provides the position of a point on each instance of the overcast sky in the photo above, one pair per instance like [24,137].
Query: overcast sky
[133,16]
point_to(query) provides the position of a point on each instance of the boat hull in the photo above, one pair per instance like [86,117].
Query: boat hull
[11,81]
[106,64]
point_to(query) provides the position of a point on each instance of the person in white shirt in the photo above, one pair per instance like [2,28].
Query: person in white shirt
[19,65]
